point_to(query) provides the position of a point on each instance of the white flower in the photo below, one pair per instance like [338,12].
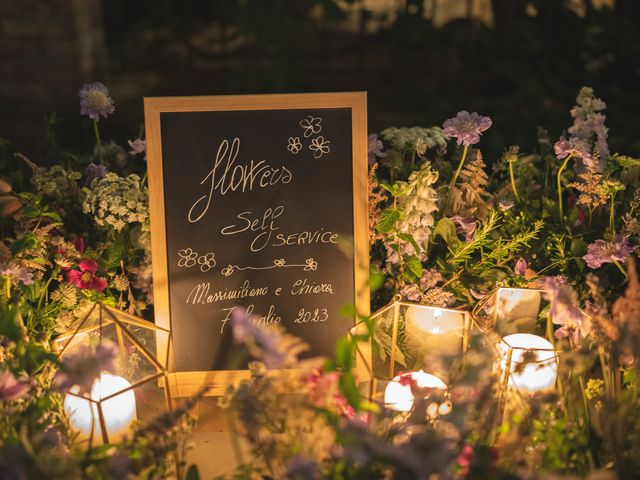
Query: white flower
[294,145]
[319,146]
[311,125]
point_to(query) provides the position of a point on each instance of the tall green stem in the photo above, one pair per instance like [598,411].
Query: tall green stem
[455,176]
[612,225]
[513,182]
[96,131]
[559,180]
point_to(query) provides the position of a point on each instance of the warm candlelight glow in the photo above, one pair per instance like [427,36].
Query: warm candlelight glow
[540,374]
[399,397]
[517,309]
[438,330]
[119,412]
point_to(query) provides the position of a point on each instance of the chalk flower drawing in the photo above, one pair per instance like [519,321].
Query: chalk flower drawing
[311,125]
[187,257]
[319,146]
[310,264]
[294,145]
[207,261]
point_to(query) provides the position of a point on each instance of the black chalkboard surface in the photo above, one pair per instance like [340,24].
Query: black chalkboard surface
[256,207]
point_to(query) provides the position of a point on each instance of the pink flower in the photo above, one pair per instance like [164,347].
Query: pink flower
[601,252]
[137,146]
[85,278]
[11,388]
[466,127]
[465,225]
[521,266]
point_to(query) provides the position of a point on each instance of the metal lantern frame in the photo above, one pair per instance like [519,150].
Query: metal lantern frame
[123,322]
[397,304]
[364,354]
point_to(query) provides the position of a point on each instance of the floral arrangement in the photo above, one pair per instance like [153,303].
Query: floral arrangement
[446,230]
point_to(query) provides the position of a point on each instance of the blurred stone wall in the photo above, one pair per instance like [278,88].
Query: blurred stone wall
[47,49]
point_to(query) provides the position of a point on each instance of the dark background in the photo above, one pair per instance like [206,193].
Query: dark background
[521,62]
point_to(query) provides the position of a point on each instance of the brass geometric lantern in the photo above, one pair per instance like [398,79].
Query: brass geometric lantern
[516,310]
[411,337]
[138,390]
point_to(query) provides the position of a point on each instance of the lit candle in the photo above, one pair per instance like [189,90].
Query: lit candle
[400,398]
[435,330]
[119,412]
[517,309]
[540,374]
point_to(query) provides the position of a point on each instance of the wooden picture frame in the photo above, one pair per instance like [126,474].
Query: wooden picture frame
[187,383]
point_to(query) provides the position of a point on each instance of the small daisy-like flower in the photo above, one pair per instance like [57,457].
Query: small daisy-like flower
[311,125]
[137,146]
[319,146]
[294,145]
[466,127]
[95,101]
[601,252]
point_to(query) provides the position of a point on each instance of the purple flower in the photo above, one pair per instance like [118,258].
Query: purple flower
[466,127]
[95,101]
[564,309]
[375,148]
[601,251]
[94,171]
[137,146]
[11,388]
[466,225]
[575,147]
[521,266]
[411,293]
[84,365]
[300,467]
[17,273]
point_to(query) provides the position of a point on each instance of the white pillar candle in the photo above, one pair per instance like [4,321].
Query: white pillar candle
[400,398]
[517,309]
[538,375]
[119,412]
[435,330]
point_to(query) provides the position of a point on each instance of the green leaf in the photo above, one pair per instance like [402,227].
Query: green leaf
[387,220]
[415,265]
[29,241]
[409,238]
[349,389]
[626,162]
[11,325]
[114,253]
[446,229]
[192,473]
[344,353]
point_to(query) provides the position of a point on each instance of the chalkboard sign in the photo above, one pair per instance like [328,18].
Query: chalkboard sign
[256,202]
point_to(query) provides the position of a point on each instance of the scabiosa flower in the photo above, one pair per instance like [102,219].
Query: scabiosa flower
[12,388]
[137,146]
[17,273]
[601,251]
[466,127]
[82,367]
[564,309]
[375,148]
[466,225]
[86,277]
[95,101]
[94,171]
[574,147]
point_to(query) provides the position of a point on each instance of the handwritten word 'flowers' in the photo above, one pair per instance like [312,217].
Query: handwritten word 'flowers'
[294,145]
[319,146]
[311,125]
